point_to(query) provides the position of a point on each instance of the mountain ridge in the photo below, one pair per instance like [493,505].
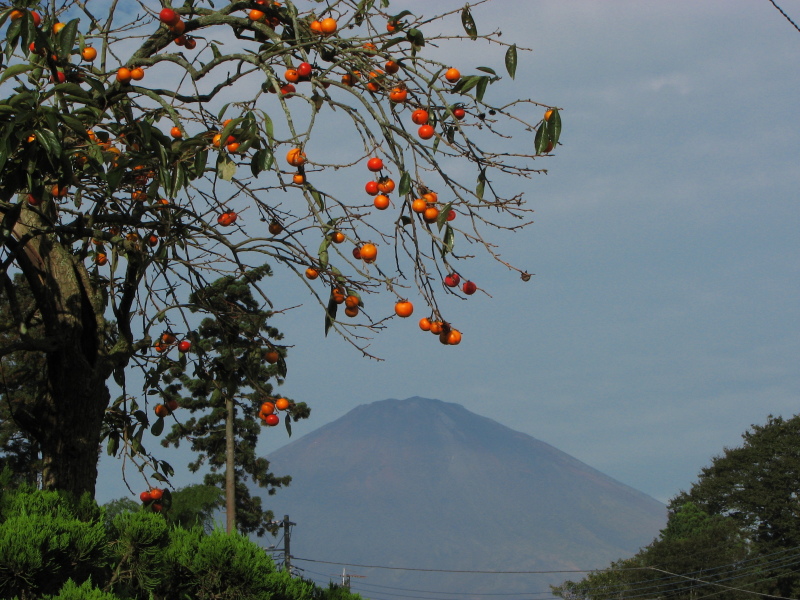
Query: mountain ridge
[422,481]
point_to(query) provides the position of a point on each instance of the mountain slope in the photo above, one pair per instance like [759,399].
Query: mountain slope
[423,483]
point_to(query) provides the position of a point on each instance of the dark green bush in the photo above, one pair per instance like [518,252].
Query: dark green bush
[216,566]
[86,591]
[43,543]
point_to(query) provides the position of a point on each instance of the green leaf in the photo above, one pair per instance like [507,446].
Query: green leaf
[481,184]
[215,51]
[14,70]
[158,426]
[448,240]
[323,252]
[362,10]
[330,315]
[200,161]
[288,424]
[469,23]
[268,128]
[511,60]
[318,198]
[113,444]
[441,220]
[405,184]
[480,90]
[75,124]
[540,141]
[487,70]
[66,38]
[465,84]
[555,125]
[49,142]
[226,168]
[415,36]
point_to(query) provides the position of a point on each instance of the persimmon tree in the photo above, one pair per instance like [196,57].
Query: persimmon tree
[147,150]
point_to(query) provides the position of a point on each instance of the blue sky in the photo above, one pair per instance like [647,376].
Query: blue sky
[662,319]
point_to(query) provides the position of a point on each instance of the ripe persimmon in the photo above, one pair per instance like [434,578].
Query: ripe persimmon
[386,185]
[375,164]
[426,132]
[337,295]
[351,311]
[295,157]
[274,227]
[58,27]
[351,301]
[315,26]
[328,26]
[267,408]
[398,95]
[431,197]
[338,237]
[161,410]
[256,15]
[371,188]
[272,356]
[298,178]
[291,75]
[391,67]
[436,327]
[453,337]
[381,202]
[282,404]
[452,75]
[88,54]
[420,117]
[369,252]
[168,16]
[425,324]
[137,74]
[431,214]
[311,273]
[272,420]
[419,205]
[124,75]
[176,132]
[403,309]
[548,114]
[101,258]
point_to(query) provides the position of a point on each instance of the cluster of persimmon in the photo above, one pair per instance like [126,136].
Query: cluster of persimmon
[168,340]
[87,53]
[176,26]
[468,287]
[267,412]
[152,498]
[447,334]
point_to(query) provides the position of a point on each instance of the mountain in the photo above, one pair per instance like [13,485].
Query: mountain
[426,484]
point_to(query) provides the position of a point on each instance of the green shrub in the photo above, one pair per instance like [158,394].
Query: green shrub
[216,566]
[72,591]
[139,543]
[43,544]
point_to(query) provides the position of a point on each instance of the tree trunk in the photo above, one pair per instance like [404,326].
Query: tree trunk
[230,473]
[71,412]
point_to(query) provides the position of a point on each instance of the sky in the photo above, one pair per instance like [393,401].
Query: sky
[662,319]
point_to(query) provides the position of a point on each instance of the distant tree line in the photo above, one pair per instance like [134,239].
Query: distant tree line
[733,535]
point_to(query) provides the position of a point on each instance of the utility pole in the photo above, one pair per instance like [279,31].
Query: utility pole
[345,580]
[287,555]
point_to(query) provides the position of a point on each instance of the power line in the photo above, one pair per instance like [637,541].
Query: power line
[476,571]
[784,14]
